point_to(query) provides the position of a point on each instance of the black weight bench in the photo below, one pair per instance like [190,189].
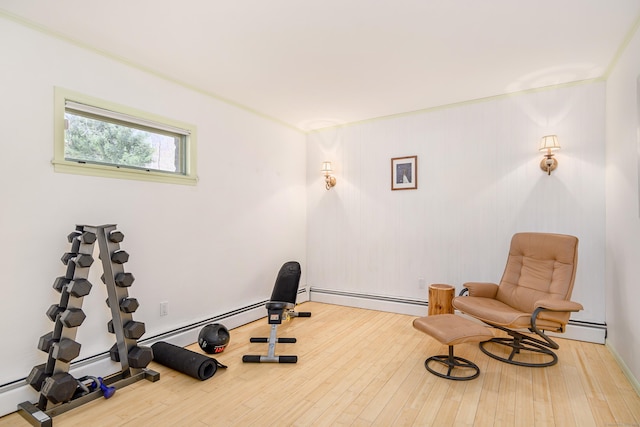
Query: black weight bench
[280,307]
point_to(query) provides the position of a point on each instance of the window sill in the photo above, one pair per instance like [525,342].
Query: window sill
[122,173]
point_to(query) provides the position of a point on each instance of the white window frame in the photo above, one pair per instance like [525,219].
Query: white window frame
[112,110]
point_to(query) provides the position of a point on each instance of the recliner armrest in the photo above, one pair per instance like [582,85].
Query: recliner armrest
[481,289]
[558,305]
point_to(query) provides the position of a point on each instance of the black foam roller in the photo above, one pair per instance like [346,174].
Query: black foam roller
[188,362]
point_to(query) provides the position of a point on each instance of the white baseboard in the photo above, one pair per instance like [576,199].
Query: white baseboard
[587,332]
[578,331]
[635,383]
[371,302]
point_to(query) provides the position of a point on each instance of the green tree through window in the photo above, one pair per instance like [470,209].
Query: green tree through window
[98,141]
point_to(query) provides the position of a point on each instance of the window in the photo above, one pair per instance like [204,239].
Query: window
[94,137]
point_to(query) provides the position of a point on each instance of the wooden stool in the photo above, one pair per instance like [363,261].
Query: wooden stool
[450,330]
[440,299]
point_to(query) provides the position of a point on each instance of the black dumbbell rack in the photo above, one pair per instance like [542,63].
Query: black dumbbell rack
[59,391]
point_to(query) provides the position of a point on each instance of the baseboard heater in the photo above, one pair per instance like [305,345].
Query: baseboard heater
[100,364]
[385,298]
[576,329]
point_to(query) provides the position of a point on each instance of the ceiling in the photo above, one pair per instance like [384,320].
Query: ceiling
[313,64]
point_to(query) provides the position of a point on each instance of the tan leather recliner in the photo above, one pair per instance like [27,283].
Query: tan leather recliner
[534,294]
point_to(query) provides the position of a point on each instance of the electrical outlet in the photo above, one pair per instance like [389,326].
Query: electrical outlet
[164,308]
[421,284]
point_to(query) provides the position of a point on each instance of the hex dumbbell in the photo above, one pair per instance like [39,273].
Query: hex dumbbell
[85,237]
[59,388]
[73,235]
[46,341]
[65,350]
[67,256]
[127,305]
[124,280]
[53,311]
[139,357]
[81,260]
[133,330]
[36,377]
[60,283]
[120,257]
[79,287]
[116,236]
[72,317]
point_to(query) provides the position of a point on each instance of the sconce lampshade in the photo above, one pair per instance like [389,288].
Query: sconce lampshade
[329,180]
[549,143]
[326,168]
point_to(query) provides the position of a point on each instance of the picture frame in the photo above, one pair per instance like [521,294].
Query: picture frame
[404,173]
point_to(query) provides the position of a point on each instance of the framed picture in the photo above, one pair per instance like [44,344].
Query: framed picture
[404,173]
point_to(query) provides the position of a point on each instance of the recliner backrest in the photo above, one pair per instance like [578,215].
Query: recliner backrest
[539,266]
[286,287]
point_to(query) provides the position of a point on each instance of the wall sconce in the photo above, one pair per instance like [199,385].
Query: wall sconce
[329,180]
[549,144]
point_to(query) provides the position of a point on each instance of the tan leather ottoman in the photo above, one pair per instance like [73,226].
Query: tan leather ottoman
[450,330]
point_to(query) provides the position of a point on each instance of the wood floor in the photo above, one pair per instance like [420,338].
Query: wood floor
[366,368]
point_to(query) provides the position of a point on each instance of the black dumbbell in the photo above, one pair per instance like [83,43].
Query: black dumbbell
[72,317]
[53,311]
[113,353]
[46,341]
[133,330]
[120,257]
[139,357]
[59,388]
[85,237]
[116,236]
[88,237]
[129,305]
[124,280]
[67,256]
[36,377]
[60,283]
[81,260]
[65,350]
[79,287]
[73,235]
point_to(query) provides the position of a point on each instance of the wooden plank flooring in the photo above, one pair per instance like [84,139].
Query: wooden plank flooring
[360,367]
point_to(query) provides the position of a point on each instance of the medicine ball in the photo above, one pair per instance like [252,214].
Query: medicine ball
[213,338]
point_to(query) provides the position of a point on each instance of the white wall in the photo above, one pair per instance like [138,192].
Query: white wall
[206,249]
[623,216]
[479,182]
